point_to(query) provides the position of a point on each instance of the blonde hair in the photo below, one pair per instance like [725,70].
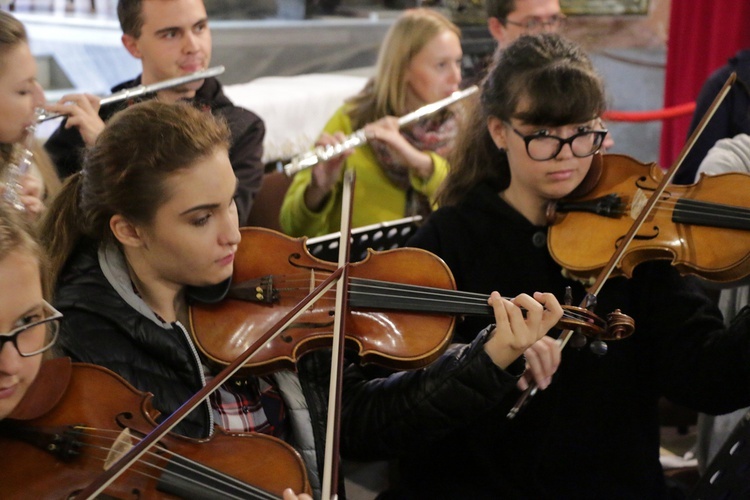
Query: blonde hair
[18,234]
[385,93]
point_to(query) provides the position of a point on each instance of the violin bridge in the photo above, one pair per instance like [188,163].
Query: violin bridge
[639,201]
[123,443]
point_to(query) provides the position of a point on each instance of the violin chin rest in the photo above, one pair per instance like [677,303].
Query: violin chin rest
[592,178]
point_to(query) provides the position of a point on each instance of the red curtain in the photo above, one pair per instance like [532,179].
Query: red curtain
[703,34]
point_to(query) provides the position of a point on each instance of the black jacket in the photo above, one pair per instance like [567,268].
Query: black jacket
[594,433]
[102,328]
[732,117]
[65,146]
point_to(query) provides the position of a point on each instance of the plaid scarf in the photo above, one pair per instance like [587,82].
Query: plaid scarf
[250,404]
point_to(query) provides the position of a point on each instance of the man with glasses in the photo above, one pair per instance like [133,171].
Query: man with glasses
[509,19]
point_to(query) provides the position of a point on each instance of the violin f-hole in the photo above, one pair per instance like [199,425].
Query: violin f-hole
[640,236]
[297,257]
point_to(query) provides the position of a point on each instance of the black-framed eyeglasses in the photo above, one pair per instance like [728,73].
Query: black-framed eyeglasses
[37,336]
[538,24]
[541,146]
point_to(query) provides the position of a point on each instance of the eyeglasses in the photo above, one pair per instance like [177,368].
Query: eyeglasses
[542,147]
[537,24]
[36,337]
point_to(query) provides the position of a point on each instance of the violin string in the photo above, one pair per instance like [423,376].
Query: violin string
[480,299]
[186,464]
[714,209]
[183,463]
[417,293]
[691,206]
[86,432]
[695,207]
[467,298]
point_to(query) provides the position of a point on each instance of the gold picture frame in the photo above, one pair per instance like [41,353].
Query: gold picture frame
[604,7]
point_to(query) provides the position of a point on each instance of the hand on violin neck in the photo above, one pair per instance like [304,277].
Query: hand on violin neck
[515,332]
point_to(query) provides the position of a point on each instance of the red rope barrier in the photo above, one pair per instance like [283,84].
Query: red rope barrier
[647,116]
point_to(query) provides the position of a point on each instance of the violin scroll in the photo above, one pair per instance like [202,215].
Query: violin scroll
[620,325]
[581,320]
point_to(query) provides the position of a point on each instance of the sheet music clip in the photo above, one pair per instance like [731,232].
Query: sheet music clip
[382,236]
[727,474]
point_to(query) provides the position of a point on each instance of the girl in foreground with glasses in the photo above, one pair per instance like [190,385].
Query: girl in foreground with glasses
[28,324]
[594,432]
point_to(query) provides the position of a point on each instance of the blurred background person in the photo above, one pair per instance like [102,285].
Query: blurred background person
[399,170]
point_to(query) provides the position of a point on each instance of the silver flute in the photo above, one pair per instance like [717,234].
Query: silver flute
[146,89]
[358,138]
[23,160]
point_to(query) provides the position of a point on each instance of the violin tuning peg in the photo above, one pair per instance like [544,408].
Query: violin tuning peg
[578,340]
[598,347]
[568,300]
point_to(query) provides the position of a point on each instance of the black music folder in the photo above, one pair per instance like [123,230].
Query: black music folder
[382,236]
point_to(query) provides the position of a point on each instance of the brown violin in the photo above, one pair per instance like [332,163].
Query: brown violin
[701,228]
[77,419]
[402,307]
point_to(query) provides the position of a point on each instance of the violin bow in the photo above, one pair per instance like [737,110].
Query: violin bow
[161,430]
[333,426]
[605,273]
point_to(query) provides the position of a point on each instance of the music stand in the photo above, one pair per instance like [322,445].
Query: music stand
[728,474]
[382,236]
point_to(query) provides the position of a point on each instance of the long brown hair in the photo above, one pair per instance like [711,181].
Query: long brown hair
[385,93]
[126,171]
[558,85]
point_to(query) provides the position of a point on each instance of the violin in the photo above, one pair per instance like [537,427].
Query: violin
[402,307]
[77,419]
[701,228]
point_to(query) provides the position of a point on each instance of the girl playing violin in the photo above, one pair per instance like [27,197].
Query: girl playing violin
[27,322]
[149,224]
[594,433]
[399,171]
